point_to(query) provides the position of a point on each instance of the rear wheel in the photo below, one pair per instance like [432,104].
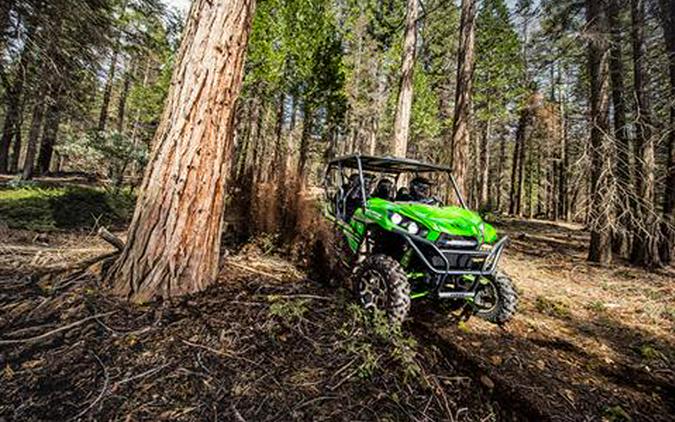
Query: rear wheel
[496,299]
[380,283]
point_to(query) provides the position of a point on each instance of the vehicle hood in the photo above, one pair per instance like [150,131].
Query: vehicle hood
[451,220]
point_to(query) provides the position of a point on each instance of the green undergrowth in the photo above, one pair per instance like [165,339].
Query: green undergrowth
[63,208]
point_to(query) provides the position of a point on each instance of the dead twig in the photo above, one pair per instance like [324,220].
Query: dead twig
[57,330]
[101,394]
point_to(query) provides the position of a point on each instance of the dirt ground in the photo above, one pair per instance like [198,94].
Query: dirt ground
[588,343]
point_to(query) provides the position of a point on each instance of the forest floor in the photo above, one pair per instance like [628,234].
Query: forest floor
[267,343]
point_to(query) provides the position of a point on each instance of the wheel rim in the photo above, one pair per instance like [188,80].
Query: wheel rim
[373,290]
[486,298]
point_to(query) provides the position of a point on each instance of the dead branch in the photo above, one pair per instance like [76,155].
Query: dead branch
[52,332]
[111,238]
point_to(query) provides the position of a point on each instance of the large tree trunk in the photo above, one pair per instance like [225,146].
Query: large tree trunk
[461,137]
[33,136]
[50,131]
[405,93]
[645,230]
[616,73]
[600,208]
[667,229]
[173,245]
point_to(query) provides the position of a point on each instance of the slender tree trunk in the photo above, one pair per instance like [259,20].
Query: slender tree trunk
[14,107]
[600,210]
[278,136]
[50,131]
[33,136]
[11,126]
[645,232]
[107,90]
[122,104]
[405,93]
[500,172]
[514,191]
[668,223]
[616,73]
[484,168]
[564,161]
[461,136]
[305,141]
[515,207]
[16,147]
[173,245]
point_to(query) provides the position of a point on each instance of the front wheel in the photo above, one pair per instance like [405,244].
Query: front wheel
[380,283]
[496,299]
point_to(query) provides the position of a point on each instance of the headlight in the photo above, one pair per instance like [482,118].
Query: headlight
[396,218]
[408,225]
[413,228]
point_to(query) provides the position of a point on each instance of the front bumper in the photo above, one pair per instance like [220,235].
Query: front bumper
[457,261]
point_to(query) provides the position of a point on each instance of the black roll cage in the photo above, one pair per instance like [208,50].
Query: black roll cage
[388,165]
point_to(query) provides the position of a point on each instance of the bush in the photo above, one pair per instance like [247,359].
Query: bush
[34,208]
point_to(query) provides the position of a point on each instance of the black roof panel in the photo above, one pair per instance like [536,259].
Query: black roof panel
[386,164]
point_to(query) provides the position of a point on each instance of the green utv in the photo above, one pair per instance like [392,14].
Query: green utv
[395,245]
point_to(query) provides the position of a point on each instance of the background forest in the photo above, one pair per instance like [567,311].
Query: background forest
[551,109]
[162,251]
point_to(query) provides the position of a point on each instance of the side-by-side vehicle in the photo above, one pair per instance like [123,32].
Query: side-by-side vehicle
[396,241]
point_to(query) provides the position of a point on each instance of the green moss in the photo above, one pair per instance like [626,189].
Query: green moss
[49,209]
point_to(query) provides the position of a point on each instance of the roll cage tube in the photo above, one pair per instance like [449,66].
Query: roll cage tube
[359,167]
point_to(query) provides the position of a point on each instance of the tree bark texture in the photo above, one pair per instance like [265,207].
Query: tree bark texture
[50,131]
[484,168]
[405,93]
[645,229]
[122,104]
[14,107]
[461,137]
[667,229]
[33,136]
[600,207]
[173,245]
[624,205]
[107,90]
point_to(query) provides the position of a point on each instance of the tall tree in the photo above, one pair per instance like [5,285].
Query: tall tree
[461,130]
[33,138]
[645,237]
[498,79]
[405,92]
[600,208]
[173,244]
[668,225]
[616,74]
